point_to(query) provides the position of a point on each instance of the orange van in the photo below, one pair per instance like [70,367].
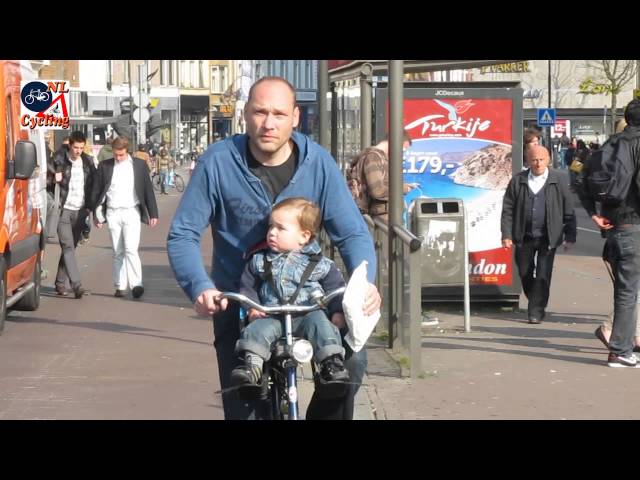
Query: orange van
[21,233]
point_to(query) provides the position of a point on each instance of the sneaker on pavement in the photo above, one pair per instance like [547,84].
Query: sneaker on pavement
[119,293]
[60,290]
[620,361]
[78,291]
[137,291]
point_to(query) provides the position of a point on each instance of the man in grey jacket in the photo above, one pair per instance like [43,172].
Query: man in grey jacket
[537,216]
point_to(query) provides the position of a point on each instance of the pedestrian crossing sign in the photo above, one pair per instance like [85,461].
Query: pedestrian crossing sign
[546,117]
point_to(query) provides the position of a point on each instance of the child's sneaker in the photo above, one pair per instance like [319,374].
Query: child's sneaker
[249,375]
[332,369]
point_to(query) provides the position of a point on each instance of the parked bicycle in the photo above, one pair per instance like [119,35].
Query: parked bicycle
[36,94]
[178,182]
[279,383]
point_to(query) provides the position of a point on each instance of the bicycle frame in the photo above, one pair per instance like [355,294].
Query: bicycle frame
[288,310]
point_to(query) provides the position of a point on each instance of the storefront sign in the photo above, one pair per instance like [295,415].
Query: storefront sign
[560,126]
[589,87]
[513,67]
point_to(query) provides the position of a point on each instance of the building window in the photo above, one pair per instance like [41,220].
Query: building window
[193,68]
[269,68]
[202,72]
[218,78]
[307,68]
[164,72]
[258,69]
[173,69]
[296,73]
[184,73]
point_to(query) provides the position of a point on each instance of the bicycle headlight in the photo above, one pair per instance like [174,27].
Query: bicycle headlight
[302,351]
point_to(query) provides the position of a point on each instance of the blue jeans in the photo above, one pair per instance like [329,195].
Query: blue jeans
[226,331]
[163,181]
[324,336]
[623,253]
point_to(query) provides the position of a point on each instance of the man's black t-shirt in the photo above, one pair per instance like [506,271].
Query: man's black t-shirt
[275,178]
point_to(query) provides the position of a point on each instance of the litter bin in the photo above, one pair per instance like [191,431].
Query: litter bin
[439,223]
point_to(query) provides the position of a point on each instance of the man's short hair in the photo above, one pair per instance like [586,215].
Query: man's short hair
[632,113]
[530,134]
[273,79]
[120,143]
[77,137]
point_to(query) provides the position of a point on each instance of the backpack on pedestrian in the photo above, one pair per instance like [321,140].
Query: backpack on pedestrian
[608,172]
[356,180]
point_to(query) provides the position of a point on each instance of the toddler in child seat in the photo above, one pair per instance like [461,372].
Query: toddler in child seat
[287,271]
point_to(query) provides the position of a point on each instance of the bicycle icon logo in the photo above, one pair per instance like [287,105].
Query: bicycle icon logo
[36,96]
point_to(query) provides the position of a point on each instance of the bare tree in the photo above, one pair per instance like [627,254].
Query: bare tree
[617,73]
[559,82]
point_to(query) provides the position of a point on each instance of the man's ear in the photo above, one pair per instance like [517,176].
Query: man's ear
[296,116]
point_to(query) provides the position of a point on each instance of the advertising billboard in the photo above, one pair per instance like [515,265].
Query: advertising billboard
[464,140]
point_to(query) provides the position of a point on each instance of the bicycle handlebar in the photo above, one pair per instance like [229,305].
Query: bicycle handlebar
[321,301]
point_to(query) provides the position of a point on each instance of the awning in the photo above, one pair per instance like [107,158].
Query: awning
[92,120]
[345,70]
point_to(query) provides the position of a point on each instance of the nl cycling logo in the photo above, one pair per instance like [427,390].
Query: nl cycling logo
[44,105]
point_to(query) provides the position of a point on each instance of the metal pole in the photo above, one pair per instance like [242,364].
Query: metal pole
[365,105]
[467,297]
[131,132]
[323,90]
[548,129]
[395,190]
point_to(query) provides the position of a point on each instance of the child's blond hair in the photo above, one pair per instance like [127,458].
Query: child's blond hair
[308,213]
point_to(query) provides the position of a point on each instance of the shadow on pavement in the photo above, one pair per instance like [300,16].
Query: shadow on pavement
[106,327]
[524,343]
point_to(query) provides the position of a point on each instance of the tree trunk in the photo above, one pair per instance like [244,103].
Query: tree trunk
[614,96]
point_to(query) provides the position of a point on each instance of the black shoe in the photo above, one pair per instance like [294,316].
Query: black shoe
[78,291]
[137,291]
[246,375]
[534,320]
[119,293]
[332,370]
[600,336]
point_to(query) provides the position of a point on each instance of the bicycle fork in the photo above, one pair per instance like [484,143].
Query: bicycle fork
[292,389]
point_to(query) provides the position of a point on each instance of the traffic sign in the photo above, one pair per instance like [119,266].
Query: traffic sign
[141,115]
[546,117]
[141,100]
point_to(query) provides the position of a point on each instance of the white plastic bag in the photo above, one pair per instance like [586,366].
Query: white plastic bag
[360,325]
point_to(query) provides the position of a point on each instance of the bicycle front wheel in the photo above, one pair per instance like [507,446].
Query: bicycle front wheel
[178,182]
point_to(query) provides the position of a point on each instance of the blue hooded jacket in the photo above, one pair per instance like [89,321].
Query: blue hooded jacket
[225,194]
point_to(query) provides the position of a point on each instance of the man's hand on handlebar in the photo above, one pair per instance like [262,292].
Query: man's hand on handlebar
[372,301]
[208,303]
[252,314]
